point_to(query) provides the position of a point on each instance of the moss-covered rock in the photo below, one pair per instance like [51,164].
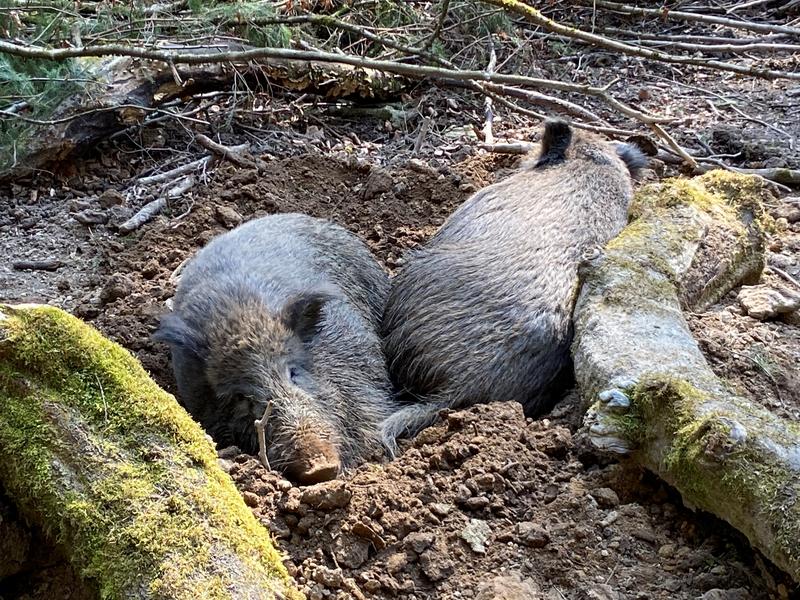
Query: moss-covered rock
[113,469]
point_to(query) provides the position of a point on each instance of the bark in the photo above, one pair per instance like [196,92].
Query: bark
[117,474]
[654,395]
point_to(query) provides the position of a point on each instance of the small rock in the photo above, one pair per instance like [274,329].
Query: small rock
[229,452]
[290,502]
[227,216]
[477,503]
[789,209]
[606,497]
[396,562]
[350,553]
[439,509]
[91,217]
[117,286]
[250,499]
[327,495]
[369,532]
[435,565]
[378,181]
[111,198]
[151,268]
[284,485]
[602,591]
[372,585]
[476,534]
[484,481]
[731,594]
[317,592]
[463,494]
[764,301]
[510,586]
[667,551]
[419,541]
[279,529]
[610,519]
[330,578]
[532,535]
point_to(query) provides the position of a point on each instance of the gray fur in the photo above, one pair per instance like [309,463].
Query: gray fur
[483,311]
[283,308]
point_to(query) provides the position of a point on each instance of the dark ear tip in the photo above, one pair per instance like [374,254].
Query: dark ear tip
[556,127]
[633,157]
[555,141]
[174,331]
[304,311]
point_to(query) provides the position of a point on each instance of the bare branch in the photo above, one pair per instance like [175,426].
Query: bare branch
[436,30]
[666,14]
[536,17]
[416,71]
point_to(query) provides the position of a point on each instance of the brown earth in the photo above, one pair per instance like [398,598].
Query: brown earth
[555,519]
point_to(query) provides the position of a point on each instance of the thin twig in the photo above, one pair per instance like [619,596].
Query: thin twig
[176,172]
[260,425]
[147,212]
[103,398]
[438,28]
[225,152]
[688,158]
[785,275]
[508,147]
[488,137]
[423,131]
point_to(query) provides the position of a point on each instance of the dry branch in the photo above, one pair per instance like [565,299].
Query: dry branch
[654,394]
[537,18]
[667,14]
[115,471]
[226,152]
[414,71]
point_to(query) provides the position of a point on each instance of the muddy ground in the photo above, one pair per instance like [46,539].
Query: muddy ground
[486,504]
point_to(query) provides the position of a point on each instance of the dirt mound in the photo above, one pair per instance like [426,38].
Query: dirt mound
[488,504]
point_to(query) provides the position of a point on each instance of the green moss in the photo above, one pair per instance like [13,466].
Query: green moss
[668,408]
[128,481]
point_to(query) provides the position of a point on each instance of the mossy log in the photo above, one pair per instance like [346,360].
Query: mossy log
[116,473]
[654,395]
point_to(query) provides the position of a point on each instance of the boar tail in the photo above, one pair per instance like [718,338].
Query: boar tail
[409,421]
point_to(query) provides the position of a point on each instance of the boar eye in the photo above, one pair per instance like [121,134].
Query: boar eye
[292,373]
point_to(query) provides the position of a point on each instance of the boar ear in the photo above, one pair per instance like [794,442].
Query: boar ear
[633,157]
[555,141]
[176,332]
[303,314]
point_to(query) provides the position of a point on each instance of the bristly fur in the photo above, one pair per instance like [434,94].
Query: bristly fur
[555,141]
[633,158]
[483,311]
[283,311]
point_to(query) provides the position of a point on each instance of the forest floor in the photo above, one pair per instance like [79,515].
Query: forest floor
[485,504]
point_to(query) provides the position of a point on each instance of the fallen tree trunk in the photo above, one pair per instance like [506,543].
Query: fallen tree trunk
[654,394]
[113,470]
